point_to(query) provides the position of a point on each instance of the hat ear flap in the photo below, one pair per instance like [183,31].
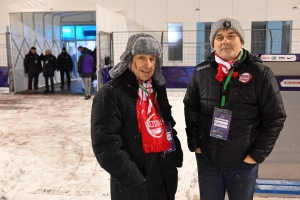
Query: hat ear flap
[157,76]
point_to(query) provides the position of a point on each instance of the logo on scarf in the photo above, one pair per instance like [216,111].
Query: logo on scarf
[154,127]
[245,77]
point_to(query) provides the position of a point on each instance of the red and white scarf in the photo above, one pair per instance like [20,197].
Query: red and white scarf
[150,123]
[224,68]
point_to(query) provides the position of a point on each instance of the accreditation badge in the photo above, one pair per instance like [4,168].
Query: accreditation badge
[170,138]
[221,123]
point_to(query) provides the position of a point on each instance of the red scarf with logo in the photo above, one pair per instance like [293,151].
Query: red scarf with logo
[150,123]
[224,68]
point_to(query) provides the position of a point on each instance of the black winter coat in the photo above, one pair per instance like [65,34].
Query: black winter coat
[32,64]
[117,143]
[258,112]
[64,62]
[49,64]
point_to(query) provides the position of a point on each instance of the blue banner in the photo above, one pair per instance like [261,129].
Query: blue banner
[176,77]
[3,77]
[288,83]
[179,77]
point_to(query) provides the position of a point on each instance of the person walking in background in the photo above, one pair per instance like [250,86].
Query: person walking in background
[85,67]
[33,67]
[234,114]
[94,75]
[132,126]
[48,69]
[65,65]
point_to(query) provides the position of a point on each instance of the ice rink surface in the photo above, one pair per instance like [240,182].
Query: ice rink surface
[46,153]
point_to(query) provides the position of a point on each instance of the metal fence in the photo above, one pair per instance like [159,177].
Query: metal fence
[104,54]
[194,46]
[191,49]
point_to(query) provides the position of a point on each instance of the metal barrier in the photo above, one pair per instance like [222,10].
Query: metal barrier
[104,55]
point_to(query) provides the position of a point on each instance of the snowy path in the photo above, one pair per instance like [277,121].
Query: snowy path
[45,150]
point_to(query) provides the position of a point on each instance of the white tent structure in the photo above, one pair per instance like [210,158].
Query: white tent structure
[38,23]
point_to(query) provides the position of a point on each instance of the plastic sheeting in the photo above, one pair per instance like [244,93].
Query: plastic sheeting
[37,23]
[107,21]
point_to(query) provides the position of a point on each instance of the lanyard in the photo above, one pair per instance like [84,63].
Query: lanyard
[227,81]
[225,87]
[154,102]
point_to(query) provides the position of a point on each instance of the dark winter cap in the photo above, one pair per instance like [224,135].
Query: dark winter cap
[80,47]
[140,43]
[64,48]
[227,22]
[32,48]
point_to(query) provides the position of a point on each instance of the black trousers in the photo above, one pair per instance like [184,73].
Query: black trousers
[36,81]
[47,82]
[62,77]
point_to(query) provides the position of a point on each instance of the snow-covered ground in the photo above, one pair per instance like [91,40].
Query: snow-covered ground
[45,150]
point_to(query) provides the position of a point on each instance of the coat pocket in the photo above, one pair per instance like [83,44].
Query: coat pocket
[140,192]
[120,193]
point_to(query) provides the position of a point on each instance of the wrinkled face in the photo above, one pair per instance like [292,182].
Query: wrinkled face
[227,44]
[47,52]
[143,66]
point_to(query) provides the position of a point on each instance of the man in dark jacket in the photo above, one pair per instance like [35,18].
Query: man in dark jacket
[133,156]
[48,69]
[32,67]
[65,65]
[234,114]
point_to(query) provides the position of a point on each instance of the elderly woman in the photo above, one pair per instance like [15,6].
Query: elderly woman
[132,127]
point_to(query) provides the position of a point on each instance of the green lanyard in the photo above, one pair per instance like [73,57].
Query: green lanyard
[227,81]
[154,102]
[225,87]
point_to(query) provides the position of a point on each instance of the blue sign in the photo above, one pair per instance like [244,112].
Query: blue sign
[3,77]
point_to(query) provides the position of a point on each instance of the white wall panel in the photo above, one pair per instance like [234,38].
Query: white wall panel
[150,11]
[296,24]
[212,10]
[283,11]
[136,26]
[119,6]
[51,6]
[155,26]
[4,15]
[189,26]
[182,11]
[254,10]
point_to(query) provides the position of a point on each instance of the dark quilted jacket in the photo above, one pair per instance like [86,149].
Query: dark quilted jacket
[117,144]
[258,112]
